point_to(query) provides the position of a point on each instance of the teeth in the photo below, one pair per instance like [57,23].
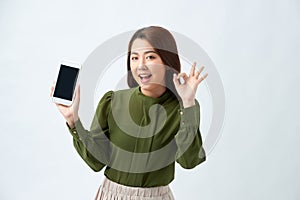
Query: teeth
[144,75]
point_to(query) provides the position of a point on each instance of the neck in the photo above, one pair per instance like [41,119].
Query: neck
[154,93]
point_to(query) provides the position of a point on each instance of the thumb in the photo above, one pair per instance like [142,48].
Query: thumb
[77,94]
[175,80]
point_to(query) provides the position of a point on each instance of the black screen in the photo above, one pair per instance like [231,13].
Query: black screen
[66,82]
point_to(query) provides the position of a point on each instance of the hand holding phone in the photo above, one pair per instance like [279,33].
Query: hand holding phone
[68,107]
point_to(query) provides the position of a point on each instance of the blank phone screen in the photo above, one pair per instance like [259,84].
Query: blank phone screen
[66,82]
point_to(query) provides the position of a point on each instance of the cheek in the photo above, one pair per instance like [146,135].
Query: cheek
[134,73]
[160,72]
[162,77]
[133,68]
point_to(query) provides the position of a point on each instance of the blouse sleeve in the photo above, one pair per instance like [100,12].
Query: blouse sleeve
[93,145]
[190,152]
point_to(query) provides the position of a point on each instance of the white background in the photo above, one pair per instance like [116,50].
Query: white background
[254,45]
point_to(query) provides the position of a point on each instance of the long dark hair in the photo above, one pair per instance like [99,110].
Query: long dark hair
[164,44]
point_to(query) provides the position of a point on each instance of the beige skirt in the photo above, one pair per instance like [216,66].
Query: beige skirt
[110,190]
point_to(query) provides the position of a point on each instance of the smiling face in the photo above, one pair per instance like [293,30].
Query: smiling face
[147,68]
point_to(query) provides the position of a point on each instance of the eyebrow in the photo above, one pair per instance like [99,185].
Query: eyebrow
[144,52]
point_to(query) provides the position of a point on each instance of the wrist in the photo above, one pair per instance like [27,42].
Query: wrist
[75,117]
[188,103]
[71,124]
[71,121]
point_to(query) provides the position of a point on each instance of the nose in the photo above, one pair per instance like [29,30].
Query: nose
[142,64]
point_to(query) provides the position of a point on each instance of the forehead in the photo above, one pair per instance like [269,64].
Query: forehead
[140,45]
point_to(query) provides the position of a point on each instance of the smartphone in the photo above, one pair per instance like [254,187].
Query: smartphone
[66,83]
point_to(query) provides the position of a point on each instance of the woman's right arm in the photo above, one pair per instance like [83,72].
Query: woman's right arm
[81,149]
[93,145]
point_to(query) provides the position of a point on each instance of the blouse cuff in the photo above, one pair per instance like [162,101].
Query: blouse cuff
[73,131]
[190,116]
[78,131]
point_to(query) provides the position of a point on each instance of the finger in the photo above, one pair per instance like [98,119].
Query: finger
[192,72]
[182,77]
[61,106]
[77,94]
[198,72]
[202,78]
[51,90]
[78,90]
[175,80]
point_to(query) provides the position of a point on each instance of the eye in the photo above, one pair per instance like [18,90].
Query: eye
[150,57]
[134,58]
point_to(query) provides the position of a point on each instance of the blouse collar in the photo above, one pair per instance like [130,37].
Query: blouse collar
[167,94]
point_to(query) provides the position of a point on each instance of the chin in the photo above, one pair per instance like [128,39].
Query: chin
[150,86]
[146,86]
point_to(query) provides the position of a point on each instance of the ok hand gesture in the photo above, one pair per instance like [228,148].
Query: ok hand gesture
[187,89]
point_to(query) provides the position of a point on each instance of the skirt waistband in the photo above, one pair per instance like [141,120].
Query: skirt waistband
[111,188]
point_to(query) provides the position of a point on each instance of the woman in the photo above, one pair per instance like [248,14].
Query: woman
[139,133]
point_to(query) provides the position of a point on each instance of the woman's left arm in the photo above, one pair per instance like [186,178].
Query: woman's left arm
[190,151]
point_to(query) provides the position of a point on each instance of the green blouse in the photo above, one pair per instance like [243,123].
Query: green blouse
[139,138]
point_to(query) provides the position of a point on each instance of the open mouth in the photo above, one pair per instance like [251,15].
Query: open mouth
[145,77]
